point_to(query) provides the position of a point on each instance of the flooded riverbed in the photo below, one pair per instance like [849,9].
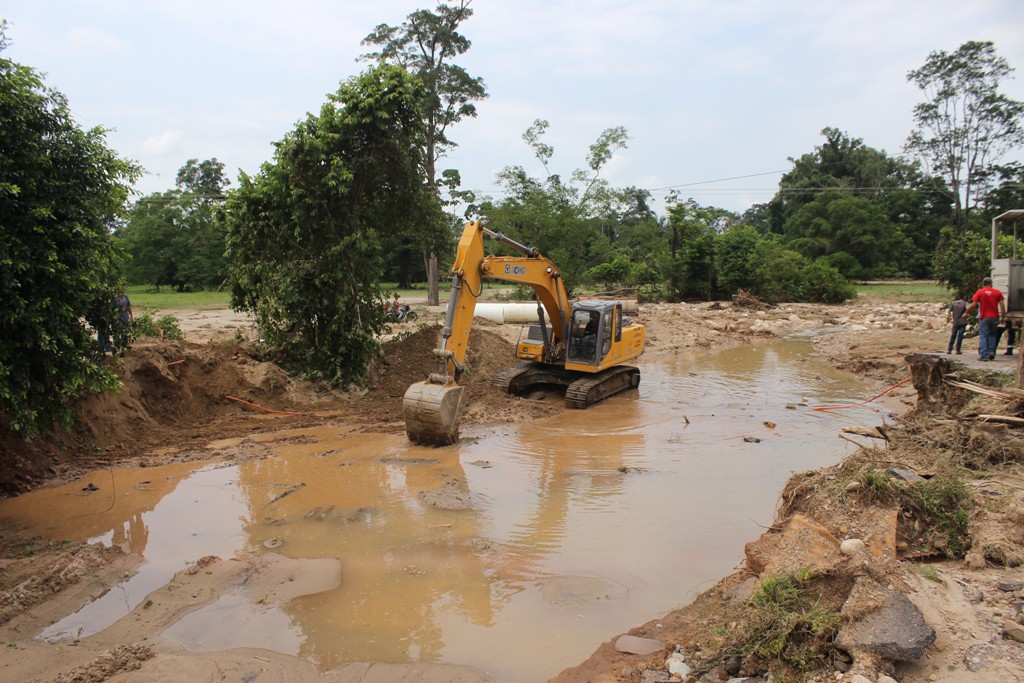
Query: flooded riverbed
[517,550]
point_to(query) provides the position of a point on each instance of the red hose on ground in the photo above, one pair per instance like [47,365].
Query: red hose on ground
[854,405]
[282,412]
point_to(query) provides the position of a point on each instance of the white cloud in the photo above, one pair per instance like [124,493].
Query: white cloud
[162,145]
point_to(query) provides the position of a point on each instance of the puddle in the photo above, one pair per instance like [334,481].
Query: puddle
[566,531]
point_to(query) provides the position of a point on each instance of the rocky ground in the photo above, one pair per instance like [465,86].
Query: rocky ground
[867,571]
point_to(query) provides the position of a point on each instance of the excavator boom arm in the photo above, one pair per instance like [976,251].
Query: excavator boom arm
[471,266]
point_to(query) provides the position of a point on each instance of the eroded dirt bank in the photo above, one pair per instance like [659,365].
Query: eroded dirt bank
[182,395]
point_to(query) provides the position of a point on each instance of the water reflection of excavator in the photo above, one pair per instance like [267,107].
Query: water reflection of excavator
[582,348]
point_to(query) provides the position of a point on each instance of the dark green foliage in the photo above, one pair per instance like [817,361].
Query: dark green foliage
[825,284]
[308,234]
[61,189]
[616,273]
[776,273]
[733,251]
[962,260]
[426,45]
[166,326]
[175,239]
[833,222]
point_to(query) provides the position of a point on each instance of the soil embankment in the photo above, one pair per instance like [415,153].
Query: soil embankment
[179,396]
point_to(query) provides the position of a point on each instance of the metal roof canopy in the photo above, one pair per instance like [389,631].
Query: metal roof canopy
[1011,215]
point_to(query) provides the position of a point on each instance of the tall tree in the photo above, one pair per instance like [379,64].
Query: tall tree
[572,221]
[204,178]
[177,238]
[61,189]
[966,124]
[425,44]
[307,235]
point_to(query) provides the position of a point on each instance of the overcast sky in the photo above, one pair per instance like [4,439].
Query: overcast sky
[708,89]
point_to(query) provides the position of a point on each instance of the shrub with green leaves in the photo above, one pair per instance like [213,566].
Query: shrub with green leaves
[61,189]
[166,326]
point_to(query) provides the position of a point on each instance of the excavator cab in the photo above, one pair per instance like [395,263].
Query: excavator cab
[584,338]
[593,327]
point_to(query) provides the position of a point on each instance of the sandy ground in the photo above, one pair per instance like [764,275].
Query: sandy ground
[167,384]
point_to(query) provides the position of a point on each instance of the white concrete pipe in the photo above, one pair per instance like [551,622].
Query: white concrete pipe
[507,313]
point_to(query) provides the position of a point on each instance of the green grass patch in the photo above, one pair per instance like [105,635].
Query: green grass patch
[148,297]
[906,292]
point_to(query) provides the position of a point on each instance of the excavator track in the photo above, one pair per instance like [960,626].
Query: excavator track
[589,390]
[581,390]
[514,379]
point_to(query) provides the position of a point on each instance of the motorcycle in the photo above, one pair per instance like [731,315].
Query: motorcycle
[401,314]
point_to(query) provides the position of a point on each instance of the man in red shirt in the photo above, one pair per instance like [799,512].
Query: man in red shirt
[991,311]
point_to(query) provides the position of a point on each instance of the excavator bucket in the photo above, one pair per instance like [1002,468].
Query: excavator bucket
[432,413]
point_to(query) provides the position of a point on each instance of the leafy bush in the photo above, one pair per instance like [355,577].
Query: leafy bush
[777,273]
[166,326]
[61,189]
[824,284]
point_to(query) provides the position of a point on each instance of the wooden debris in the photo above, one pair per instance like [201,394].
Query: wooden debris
[1006,394]
[1001,419]
[876,433]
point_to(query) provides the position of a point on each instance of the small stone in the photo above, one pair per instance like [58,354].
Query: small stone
[905,475]
[885,679]
[1010,586]
[852,486]
[1013,630]
[676,666]
[851,546]
[638,646]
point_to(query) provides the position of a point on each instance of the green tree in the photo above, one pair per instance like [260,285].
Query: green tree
[1007,192]
[907,210]
[573,221]
[836,223]
[690,265]
[61,189]
[307,235]
[962,261]
[426,45]
[204,178]
[776,273]
[177,238]
[965,125]
[734,250]
[822,283]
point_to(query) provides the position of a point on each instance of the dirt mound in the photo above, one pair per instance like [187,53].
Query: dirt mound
[173,394]
[409,359]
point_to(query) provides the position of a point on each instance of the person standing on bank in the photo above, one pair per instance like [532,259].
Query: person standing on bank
[956,313]
[123,322]
[991,308]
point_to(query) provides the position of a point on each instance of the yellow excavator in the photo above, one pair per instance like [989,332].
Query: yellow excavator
[583,347]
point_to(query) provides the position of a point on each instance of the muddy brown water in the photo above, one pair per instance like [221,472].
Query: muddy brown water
[517,550]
